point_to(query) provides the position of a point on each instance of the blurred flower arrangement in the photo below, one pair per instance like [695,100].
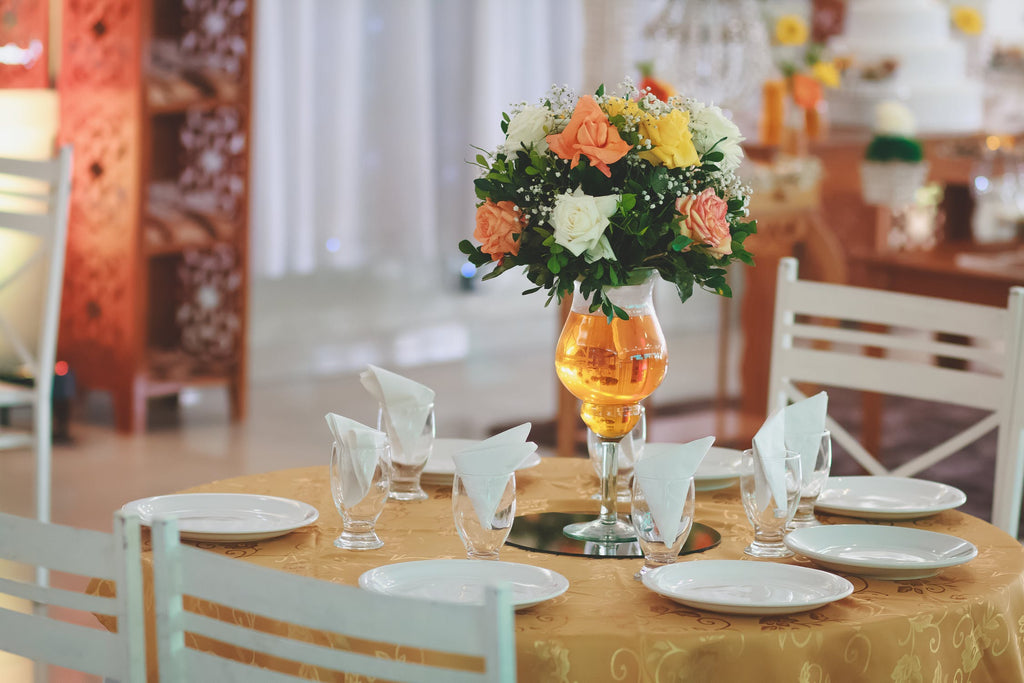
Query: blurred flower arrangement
[595,191]
[966,19]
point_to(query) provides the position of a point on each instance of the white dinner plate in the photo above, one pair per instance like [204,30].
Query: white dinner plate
[226,517]
[464,580]
[880,552]
[440,468]
[719,469]
[743,587]
[871,497]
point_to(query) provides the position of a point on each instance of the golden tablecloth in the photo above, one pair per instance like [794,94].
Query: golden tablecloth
[966,624]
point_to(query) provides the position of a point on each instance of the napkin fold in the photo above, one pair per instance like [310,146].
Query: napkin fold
[804,424]
[406,405]
[769,461]
[358,446]
[663,474]
[489,463]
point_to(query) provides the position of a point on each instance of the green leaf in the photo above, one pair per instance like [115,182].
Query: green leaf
[680,242]
[553,265]
[619,313]
[466,247]
[627,202]
[530,170]
[600,91]
[736,204]
[532,290]
[713,156]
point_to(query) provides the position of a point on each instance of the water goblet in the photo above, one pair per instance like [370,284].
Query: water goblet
[814,479]
[662,515]
[484,507]
[411,433]
[769,508]
[631,449]
[359,486]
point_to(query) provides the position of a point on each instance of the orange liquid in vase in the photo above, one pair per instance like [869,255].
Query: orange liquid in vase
[609,366]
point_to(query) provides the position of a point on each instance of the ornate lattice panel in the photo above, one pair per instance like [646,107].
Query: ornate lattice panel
[208,315]
[216,34]
[215,163]
[25,37]
[101,45]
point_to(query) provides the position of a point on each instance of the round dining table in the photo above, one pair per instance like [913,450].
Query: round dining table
[964,624]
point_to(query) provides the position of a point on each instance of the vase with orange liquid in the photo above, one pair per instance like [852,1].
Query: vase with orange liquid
[611,367]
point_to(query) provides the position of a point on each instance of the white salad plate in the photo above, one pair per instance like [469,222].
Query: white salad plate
[464,580]
[880,552]
[226,517]
[873,497]
[440,468]
[743,587]
[719,469]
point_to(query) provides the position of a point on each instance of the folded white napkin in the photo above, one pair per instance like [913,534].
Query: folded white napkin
[489,463]
[663,474]
[804,424]
[769,465]
[406,405]
[358,445]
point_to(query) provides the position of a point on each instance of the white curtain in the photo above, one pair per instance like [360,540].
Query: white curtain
[365,115]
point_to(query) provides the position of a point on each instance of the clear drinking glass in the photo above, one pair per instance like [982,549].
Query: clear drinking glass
[359,486]
[655,497]
[411,448]
[814,479]
[768,515]
[484,507]
[631,449]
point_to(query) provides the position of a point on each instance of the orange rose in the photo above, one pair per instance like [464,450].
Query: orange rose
[704,221]
[659,88]
[591,134]
[806,91]
[496,226]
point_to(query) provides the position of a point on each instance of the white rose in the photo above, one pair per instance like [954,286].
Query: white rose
[708,125]
[579,221]
[893,118]
[529,127]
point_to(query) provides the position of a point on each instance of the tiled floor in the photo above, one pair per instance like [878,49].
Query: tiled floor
[487,353]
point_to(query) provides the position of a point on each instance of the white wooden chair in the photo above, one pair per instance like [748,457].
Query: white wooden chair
[46,638]
[34,198]
[817,349]
[483,632]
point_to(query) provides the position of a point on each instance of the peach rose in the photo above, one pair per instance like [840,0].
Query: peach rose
[589,133]
[496,225]
[704,221]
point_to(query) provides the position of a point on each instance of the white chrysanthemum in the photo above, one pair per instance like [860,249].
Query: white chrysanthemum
[708,125]
[894,118]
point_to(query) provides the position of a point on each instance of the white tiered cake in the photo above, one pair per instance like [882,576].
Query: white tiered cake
[903,50]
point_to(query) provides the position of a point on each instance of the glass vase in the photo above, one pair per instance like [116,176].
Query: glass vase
[611,366]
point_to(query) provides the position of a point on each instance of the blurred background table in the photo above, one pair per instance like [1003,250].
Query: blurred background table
[608,626]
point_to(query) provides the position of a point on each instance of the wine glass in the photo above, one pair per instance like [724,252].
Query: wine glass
[670,501]
[814,479]
[770,491]
[484,507]
[611,366]
[359,486]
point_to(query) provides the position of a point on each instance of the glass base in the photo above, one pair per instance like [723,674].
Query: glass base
[771,550]
[350,540]
[597,531]
[802,522]
[408,493]
[624,497]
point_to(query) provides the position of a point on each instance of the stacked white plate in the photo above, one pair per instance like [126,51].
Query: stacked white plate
[719,469]
[226,517]
[891,498]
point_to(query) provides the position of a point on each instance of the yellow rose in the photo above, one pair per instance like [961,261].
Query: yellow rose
[791,30]
[826,73]
[968,20]
[671,143]
[616,106]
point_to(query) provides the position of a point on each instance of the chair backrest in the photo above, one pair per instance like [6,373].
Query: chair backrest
[885,342]
[43,636]
[34,201]
[262,598]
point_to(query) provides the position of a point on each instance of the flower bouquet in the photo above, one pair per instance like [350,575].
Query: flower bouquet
[597,191]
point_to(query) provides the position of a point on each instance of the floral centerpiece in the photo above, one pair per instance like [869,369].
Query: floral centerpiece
[595,191]
[894,167]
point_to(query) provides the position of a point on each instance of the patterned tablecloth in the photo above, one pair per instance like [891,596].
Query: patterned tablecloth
[965,624]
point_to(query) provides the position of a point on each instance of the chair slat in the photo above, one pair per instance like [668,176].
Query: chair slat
[57,596]
[315,655]
[907,310]
[993,358]
[74,647]
[893,377]
[33,223]
[20,541]
[40,169]
[242,586]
